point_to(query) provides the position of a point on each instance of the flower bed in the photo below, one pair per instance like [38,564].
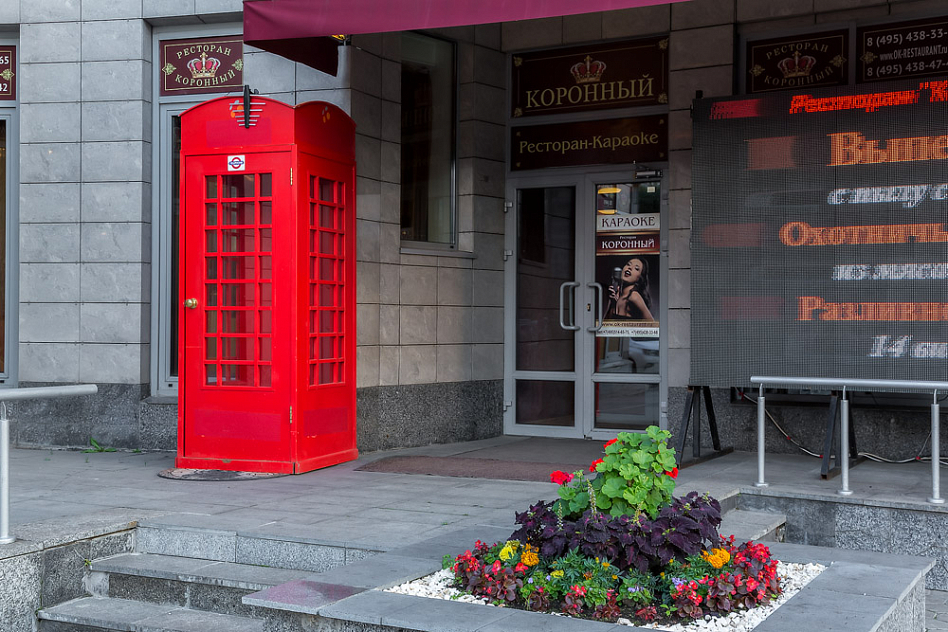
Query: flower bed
[621,546]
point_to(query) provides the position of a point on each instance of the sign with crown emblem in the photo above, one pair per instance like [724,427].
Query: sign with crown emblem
[907,49]
[801,61]
[582,78]
[7,73]
[202,66]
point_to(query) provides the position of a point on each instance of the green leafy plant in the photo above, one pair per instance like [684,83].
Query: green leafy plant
[636,475]
[96,447]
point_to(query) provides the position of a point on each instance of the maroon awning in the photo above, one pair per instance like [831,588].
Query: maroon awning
[296,29]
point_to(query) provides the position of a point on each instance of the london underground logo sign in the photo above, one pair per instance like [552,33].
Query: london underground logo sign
[236,163]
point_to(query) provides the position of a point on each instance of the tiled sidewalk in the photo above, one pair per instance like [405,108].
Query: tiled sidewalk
[936,606]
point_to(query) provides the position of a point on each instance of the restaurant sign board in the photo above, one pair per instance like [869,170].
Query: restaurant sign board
[202,66]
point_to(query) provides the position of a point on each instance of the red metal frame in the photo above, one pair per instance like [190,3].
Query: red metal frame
[267,378]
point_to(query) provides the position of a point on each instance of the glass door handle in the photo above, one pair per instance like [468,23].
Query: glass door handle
[598,302]
[572,285]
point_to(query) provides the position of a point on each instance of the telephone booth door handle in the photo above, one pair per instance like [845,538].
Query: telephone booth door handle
[572,285]
[191,303]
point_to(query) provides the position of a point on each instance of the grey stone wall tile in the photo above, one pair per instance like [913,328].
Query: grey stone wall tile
[114,40]
[391,122]
[490,67]
[368,157]
[418,325]
[49,322]
[311,79]
[368,199]
[750,10]
[269,73]
[583,27]
[50,11]
[689,15]
[120,161]
[487,35]
[209,7]
[114,9]
[58,83]
[699,48]
[22,593]
[636,22]
[50,42]
[488,324]
[454,363]
[367,243]
[454,325]
[49,162]
[417,364]
[115,201]
[455,286]
[49,282]
[488,288]
[114,322]
[390,241]
[57,362]
[116,80]
[390,158]
[714,81]
[367,113]
[49,243]
[166,8]
[679,130]
[488,362]
[388,324]
[489,216]
[679,167]
[52,202]
[367,366]
[526,34]
[865,14]
[115,282]
[389,278]
[367,282]
[679,249]
[679,367]
[419,285]
[490,251]
[10,12]
[391,81]
[115,242]
[366,72]
[367,332]
[113,363]
[679,209]
[390,210]
[388,365]
[49,123]
[679,328]
[116,120]
[679,288]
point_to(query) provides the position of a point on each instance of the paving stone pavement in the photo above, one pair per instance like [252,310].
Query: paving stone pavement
[936,607]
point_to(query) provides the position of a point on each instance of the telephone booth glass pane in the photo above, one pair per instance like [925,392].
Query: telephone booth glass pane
[326,244]
[239,292]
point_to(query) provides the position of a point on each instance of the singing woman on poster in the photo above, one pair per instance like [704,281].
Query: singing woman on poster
[628,293]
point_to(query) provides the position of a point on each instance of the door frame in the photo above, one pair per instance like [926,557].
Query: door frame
[583,376]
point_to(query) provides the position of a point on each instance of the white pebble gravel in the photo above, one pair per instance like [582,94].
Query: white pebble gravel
[793,578]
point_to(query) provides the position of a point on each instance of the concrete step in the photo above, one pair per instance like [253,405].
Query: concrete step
[95,614]
[753,525]
[194,583]
[244,541]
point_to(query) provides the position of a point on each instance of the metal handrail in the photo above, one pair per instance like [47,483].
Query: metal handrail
[13,394]
[908,386]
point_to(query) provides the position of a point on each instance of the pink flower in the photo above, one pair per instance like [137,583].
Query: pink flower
[560,478]
[592,466]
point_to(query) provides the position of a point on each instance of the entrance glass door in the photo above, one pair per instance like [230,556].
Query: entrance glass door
[584,354]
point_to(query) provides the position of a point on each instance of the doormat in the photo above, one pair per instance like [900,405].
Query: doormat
[467,468]
[183,474]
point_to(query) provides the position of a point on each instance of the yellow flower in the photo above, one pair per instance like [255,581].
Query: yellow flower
[605,564]
[716,557]
[507,552]
[556,574]
[529,558]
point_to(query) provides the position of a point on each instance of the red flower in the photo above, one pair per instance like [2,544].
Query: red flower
[673,473]
[610,442]
[592,466]
[560,478]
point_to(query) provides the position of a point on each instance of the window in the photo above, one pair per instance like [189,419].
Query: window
[429,115]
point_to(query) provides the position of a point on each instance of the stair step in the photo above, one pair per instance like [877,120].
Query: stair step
[753,525]
[94,614]
[186,582]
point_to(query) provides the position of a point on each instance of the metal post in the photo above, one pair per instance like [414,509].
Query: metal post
[936,454]
[844,445]
[760,439]
[5,537]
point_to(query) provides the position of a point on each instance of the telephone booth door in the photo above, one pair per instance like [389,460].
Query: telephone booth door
[267,305]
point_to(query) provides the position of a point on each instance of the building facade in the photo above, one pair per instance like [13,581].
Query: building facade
[485,251]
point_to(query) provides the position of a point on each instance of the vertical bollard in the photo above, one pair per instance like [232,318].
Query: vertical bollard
[5,537]
[760,439]
[936,499]
[844,445]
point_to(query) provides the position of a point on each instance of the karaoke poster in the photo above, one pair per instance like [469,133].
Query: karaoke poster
[627,268]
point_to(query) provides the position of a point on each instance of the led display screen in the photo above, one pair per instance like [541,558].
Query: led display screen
[819,236]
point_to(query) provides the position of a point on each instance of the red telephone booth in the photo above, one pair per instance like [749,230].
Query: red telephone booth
[267,304]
